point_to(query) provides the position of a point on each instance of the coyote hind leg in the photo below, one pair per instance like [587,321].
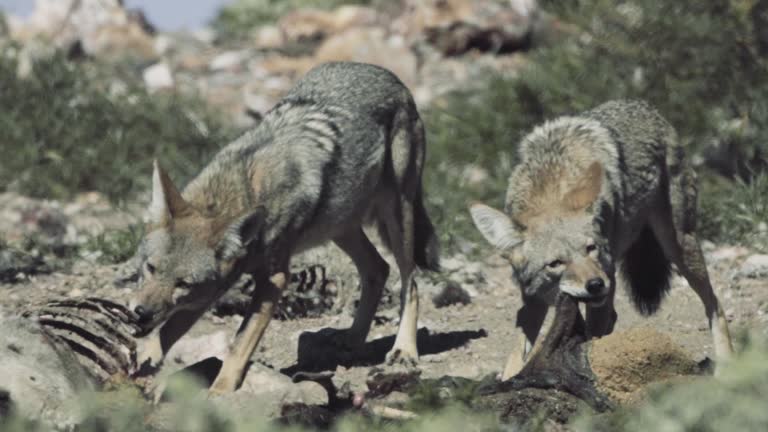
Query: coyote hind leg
[407,152]
[674,225]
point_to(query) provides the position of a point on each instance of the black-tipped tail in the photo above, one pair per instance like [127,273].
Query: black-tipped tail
[427,248]
[647,271]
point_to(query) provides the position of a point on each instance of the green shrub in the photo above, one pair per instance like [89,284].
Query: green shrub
[238,19]
[116,246]
[70,127]
[695,61]
[735,211]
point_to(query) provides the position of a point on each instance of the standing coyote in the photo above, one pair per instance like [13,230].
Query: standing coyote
[345,147]
[608,187]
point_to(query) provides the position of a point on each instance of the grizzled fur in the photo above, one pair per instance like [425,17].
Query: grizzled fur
[344,148]
[608,188]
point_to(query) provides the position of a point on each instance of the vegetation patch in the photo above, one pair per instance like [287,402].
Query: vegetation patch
[237,20]
[69,127]
[698,63]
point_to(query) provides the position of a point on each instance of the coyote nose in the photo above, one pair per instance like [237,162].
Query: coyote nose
[595,286]
[145,314]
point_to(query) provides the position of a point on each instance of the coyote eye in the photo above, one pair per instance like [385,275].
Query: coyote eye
[150,268]
[591,248]
[555,264]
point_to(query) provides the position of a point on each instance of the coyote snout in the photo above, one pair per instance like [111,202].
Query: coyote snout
[344,149]
[185,257]
[607,189]
[584,280]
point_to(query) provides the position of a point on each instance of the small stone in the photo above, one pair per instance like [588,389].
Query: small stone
[453,263]
[228,61]
[158,77]
[473,175]
[264,391]
[269,37]
[754,267]
[451,294]
[726,253]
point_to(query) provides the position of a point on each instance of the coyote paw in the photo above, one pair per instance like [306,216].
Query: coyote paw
[405,357]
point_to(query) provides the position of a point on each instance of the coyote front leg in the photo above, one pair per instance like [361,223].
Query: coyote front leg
[248,336]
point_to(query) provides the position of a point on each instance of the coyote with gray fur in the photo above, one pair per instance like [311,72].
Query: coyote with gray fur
[608,188]
[344,148]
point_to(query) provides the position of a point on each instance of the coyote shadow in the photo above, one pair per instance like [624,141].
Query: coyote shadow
[317,352]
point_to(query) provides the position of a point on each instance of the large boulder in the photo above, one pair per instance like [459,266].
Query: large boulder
[374,45]
[42,378]
[457,26]
[314,24]
[102,28]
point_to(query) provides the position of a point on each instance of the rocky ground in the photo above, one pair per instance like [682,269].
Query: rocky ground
[435,47]
[470,337]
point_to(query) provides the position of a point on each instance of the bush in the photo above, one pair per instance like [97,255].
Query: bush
[238,19]
[697,62]
[70,127]
[735,211]
[115,246]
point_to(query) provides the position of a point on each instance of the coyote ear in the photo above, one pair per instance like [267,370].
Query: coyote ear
[242,232]
[586,190]
[495,226]
[166,199]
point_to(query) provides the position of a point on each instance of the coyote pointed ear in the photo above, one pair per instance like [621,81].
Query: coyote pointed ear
[234,243]
[167,202]
[586,190]
[495,226]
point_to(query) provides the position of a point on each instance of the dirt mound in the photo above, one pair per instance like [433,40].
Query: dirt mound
[625,363]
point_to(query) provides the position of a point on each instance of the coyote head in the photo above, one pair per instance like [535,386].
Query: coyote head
[187,259]
[561,246]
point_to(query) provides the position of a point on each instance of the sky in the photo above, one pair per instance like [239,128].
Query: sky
[165,14]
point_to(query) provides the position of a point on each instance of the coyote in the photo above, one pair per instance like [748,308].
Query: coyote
[610,187]
[344,148]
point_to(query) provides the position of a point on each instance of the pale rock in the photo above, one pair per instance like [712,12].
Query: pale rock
[269,37]
[158,77]
[264,391]
[473,175]
[374,46]
[41,378]
[309,24]
[457,26]
[190,350]
[204,35]
[103,27]
[453,263]
[228,61]
[164,44]
[755,266]
[727,253]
